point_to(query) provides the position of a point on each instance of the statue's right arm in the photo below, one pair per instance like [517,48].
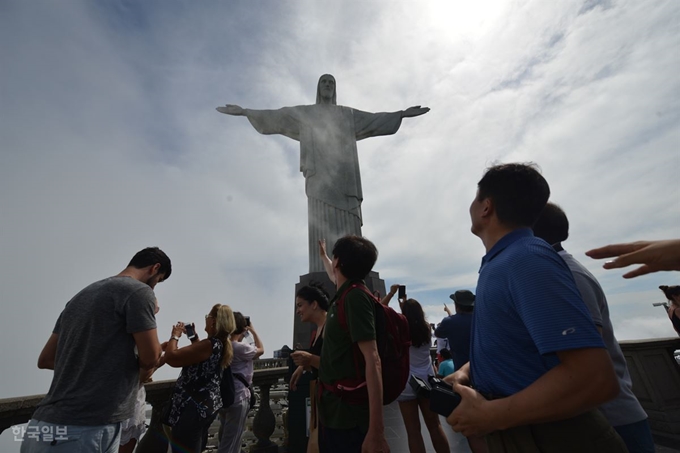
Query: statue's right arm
[284,121]
[231,109]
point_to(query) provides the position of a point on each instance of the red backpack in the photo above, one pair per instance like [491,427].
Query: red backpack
[393,340]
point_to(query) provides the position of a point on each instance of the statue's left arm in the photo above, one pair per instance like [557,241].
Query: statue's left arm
[368,124]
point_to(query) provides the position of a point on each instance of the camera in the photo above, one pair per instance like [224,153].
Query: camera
[443,400]
[191,331]
[402,292]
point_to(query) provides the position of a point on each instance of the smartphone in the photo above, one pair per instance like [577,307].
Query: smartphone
[402,291]
[189,327]
[247,321]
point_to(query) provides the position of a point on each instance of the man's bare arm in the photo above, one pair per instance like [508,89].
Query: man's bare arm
[149,352]
[583,380]
[327,263]
[375,437]
[48,353]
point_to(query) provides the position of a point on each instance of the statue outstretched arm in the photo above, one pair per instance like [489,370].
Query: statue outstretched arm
[231,109]
[414,111]
[284,121]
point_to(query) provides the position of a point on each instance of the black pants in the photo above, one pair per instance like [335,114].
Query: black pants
[190,433]
[340,440]
[586,433]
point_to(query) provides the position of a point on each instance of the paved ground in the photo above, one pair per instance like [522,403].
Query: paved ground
[396,433]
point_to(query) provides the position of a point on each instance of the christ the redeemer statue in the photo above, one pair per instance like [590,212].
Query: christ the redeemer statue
[328,135]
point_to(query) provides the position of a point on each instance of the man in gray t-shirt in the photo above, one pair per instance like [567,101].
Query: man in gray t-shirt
[92,352]
[624,412]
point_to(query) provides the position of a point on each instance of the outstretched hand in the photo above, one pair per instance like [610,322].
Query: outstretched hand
[653,255]
[414,111]
[231,109]
[322,248]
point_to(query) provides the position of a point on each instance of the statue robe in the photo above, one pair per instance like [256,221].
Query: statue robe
[329,162]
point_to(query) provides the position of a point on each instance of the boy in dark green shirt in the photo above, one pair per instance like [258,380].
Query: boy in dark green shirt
[349,427]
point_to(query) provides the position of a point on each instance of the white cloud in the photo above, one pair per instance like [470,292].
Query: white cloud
[111,143]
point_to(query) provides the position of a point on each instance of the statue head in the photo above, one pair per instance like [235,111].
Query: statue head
[325,90]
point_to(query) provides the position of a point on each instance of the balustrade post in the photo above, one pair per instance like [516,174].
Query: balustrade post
[264,422]
[158,396]
[154,440]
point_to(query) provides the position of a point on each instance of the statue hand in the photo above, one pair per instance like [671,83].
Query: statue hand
[230,109]
[414,111]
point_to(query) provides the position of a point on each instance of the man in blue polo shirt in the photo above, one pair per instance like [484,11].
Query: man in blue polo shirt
[538,366]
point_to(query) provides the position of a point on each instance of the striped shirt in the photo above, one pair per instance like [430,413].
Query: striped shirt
[527,309]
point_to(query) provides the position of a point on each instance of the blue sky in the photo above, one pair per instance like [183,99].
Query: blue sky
[111,143]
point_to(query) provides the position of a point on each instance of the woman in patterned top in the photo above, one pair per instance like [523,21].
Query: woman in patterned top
[196,398]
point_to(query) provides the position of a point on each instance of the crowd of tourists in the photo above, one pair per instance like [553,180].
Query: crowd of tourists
[532,355]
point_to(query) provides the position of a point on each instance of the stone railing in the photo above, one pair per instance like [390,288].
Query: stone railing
[656,383]
[15,411]
[654,371]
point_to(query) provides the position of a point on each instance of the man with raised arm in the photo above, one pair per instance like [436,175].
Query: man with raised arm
[96,369]
[538,367]
[354,426]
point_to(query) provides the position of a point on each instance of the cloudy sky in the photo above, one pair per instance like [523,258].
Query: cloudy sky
[111,143]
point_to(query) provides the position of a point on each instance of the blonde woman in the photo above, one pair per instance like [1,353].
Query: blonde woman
[196,398]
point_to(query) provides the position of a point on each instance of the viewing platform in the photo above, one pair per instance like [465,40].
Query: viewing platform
[654,370]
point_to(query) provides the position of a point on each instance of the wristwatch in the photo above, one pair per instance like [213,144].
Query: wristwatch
[174,337]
